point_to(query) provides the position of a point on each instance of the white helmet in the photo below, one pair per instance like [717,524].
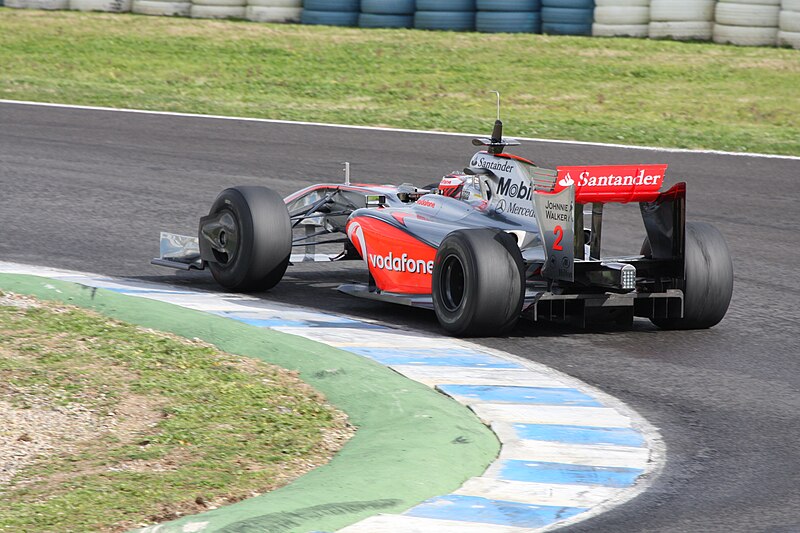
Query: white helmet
[462,187]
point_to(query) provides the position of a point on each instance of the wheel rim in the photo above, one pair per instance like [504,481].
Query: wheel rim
[226,238]
[453,283]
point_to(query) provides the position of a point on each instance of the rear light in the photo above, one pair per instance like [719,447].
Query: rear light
[612,275]
[628,281]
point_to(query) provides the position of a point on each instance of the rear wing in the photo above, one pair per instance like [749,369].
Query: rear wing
[559,211]
[618,183]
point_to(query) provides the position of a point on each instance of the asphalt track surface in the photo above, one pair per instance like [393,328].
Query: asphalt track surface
[90,190]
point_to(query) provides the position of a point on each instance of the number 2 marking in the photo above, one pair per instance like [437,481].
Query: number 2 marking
[558,231]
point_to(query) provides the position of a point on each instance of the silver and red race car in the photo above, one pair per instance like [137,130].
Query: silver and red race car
[504,239]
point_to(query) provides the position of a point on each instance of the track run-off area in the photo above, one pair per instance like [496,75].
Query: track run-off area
[566,450]
[90,190]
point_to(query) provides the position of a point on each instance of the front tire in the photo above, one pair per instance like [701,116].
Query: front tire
[478,283]
[708,279]
[259,239]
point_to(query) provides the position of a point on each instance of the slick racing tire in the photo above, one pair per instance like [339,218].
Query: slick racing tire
[258,241]
[708,279]
[478,283]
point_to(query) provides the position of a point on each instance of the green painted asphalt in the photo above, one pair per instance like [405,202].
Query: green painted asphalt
[412,443]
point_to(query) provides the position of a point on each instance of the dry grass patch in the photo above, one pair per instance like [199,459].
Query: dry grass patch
[105,426]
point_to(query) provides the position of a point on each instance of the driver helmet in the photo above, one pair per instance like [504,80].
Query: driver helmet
[461,187]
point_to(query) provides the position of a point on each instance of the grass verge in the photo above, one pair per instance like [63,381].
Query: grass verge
[688,95]
[107,426]
[412,442]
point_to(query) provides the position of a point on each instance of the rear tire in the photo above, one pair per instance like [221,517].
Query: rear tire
[708,279]
[478,283]
[264,239]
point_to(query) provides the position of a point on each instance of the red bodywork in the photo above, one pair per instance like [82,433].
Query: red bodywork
[407,272]
[616,183]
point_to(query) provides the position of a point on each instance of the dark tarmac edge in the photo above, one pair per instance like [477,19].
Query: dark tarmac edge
[396,130]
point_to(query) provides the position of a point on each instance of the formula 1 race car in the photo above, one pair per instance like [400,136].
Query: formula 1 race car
[482,248]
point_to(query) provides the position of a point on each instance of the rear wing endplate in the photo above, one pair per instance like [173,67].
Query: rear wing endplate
[555,214]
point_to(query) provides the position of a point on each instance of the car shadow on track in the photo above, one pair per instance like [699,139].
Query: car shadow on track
[314,286]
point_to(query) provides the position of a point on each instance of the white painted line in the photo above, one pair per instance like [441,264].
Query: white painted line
[433,376]
[338,337]
[366,338]
[551,414]
[505,431]
[201,302]
[396,130]
[412,524]
[108,283]
[193,298]
[538,493]
[573,454]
